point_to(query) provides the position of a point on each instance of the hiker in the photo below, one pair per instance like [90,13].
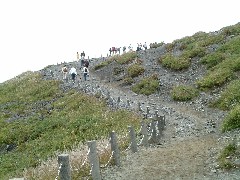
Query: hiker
[85,73]
[83,55]
[145,45]
[110,51]
[124,49]
[64,71]
[73,73]
[77,56]
[130,47]
[86,63]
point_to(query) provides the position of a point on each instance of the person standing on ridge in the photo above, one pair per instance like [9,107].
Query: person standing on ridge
[77,56]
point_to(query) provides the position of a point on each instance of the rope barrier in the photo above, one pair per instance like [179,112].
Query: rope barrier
[59,169]
[106,165]
[85,159]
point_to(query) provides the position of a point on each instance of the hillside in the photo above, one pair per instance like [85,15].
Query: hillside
[189,81]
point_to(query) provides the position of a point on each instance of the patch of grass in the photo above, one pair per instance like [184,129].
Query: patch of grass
[224,158]
[156,45]
[174,63]
[231,30]
[128,81]
[232,120]
[215,78]
[135,70]
[184,93]
[125,58]
[213,59]
[102,64]
[230,97]
[147,86]
[195,52]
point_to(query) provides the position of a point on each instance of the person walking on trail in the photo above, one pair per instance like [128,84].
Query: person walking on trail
[85,73]
[86,63]
[73,73]
[64,71]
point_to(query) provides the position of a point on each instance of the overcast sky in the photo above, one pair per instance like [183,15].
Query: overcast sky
[37,33]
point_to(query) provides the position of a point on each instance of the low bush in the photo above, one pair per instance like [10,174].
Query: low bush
[184,93]
[230,97]
[213,59]
[147,86]
[128,81]
[215,78]
[102,64]
[232,120]
[224,158]
[135,70]
[174,63]
[125,58]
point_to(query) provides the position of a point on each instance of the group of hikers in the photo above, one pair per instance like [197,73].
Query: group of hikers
[117,50]
[73,71]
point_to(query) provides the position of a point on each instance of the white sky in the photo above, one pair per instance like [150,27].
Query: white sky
[37,33]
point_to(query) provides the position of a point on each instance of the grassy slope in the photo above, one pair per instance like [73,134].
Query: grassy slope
[48,121]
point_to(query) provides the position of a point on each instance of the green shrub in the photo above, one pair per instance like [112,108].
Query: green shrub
[174,63]
[125,58]
[229,151]
[155,44]
[213,59]
[215,78]
[102,64]
[195,52]
[128,81]
[232,120]
[135,70]
[232,47]
[229,97]
[184,93]
[147,86]
[231,30]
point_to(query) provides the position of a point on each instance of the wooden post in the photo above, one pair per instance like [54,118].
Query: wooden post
[115,149]
[64,164]
[128,103]
[118,100]
[148,111]
[163,123]
[139,106]
[133,142]
[94,160]
[153,138]
[144,132]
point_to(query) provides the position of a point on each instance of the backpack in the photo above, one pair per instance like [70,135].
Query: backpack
[64,69]
[85,70]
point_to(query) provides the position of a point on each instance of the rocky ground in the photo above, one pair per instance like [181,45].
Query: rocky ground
[192,140]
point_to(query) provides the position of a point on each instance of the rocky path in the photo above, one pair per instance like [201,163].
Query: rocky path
[191,140]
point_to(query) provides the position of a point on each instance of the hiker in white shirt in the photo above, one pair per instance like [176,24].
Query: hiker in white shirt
[73,73]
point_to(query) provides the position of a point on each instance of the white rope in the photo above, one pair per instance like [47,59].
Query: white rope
[85,159]
[59,169]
